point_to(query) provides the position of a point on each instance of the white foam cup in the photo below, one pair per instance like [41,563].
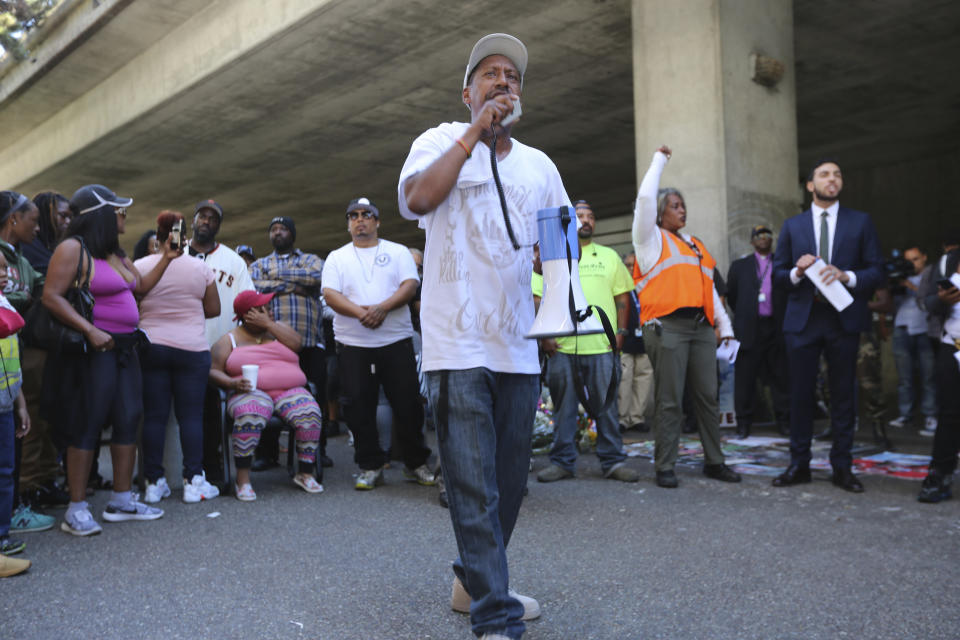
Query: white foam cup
[250,372]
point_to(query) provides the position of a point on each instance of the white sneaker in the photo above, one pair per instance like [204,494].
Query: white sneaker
[929,427]
[199,489]
[133,510]
[81,524]
[369,479]
[460,601]
[420,475]
[156,492]
[900,422]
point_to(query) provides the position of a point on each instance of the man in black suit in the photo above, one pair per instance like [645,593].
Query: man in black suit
[758,309]
[847,242]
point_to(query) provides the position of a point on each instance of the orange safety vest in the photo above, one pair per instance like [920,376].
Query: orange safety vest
[679,279]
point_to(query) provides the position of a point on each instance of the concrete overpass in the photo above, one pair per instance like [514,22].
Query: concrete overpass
[296,106]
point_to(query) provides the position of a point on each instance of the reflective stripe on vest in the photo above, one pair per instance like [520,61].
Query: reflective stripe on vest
[675,258]
[663,300]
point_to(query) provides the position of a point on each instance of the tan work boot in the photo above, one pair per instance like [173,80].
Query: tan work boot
[460,601]
[12,566]
[554,473]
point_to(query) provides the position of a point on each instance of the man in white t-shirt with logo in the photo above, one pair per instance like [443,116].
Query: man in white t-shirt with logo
[476,307]
[368,282]
[232,277]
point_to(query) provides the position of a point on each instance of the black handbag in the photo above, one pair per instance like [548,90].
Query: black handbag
[45,331]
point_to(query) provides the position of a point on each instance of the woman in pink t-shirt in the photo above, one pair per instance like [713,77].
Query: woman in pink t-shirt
[176,364]
[280,389]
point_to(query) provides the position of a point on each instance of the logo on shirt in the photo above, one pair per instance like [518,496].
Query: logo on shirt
[382,260]
[486,231]
[224,274]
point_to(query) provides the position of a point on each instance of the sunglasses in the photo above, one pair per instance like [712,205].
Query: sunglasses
[353,215]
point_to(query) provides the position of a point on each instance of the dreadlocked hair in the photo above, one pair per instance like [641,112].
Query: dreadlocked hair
[47,203]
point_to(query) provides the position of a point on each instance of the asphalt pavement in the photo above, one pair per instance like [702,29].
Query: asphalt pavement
[606,561]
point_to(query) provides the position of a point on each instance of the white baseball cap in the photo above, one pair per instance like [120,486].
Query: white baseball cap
[497,44]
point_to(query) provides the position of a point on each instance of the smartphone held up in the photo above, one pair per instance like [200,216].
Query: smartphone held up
[177,234]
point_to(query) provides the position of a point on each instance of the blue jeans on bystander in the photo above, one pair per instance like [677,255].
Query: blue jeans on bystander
[7,457]
[181,375]
[914,354]
[595,371]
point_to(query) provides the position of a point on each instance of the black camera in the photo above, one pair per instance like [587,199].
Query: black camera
[897,268]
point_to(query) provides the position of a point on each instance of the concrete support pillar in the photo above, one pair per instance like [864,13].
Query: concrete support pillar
[734,140]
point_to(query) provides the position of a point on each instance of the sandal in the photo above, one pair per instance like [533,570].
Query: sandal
[245,492]
[308,484]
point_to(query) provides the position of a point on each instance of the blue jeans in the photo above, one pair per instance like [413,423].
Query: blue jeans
[912,354]
[180,375]
[484,423]
[596,371]
[7,461]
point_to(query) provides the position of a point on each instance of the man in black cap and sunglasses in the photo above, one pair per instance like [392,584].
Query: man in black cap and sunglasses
[758,309]
[368,282]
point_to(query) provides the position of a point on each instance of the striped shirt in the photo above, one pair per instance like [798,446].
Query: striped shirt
[281,275]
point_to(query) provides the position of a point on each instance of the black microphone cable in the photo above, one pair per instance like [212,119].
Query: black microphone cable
[503,199]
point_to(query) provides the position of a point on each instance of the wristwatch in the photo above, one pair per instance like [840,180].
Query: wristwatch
[621,331]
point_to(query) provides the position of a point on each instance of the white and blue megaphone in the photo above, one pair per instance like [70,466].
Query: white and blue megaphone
[558,316]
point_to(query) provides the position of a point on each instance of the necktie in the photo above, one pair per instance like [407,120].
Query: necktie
[824,238]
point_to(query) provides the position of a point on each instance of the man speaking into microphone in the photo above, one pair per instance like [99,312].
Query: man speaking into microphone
[477,305]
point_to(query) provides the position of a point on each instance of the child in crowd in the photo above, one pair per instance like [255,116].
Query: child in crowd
[14,423]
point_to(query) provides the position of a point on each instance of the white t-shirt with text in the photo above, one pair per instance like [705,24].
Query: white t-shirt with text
[368,276]
[232,277]
[476,302]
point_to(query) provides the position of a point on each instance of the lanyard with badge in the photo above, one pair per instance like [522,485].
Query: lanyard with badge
[761,296]
[638,330]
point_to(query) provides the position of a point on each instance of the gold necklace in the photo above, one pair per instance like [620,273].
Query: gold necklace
[259,338]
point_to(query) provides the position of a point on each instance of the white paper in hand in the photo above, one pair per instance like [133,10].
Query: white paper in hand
[728,350]
[836,292]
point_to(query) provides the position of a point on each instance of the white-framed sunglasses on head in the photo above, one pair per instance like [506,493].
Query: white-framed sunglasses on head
[120,207]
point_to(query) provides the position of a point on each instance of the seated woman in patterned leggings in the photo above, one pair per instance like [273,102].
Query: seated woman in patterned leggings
[280,389]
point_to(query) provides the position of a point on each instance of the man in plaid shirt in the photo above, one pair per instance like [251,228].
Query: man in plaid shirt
[294,276]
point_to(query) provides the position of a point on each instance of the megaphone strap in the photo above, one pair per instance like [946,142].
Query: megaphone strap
[583,394]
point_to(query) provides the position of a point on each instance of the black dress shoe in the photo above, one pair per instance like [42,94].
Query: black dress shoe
[667,479]
[325,461]
[845,479]
[721,472]
[743,431]
[641,427]
[795,474]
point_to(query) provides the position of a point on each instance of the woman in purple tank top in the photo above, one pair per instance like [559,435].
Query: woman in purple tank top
[102,386]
